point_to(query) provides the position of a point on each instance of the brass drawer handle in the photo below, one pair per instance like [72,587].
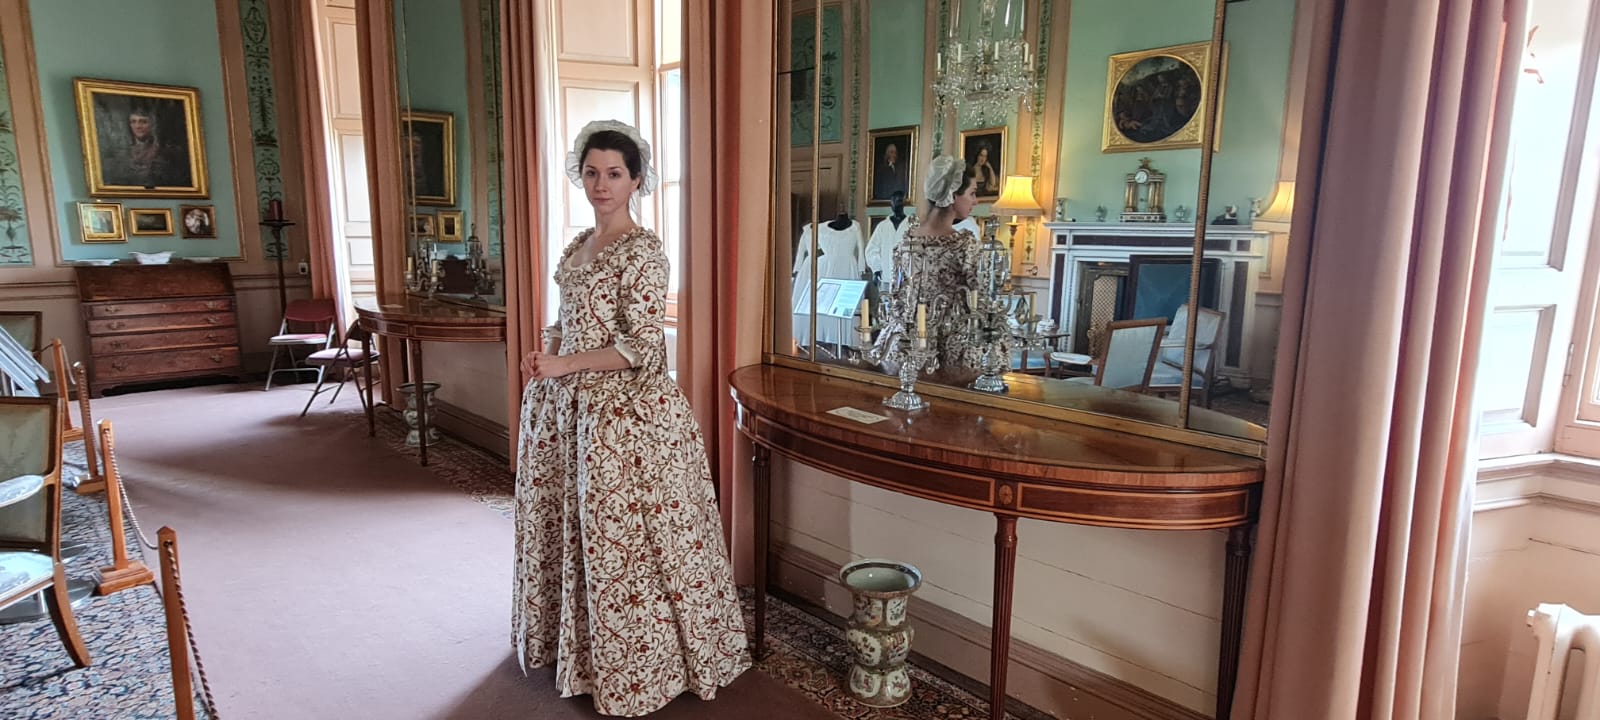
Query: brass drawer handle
[213,320]
[216,358]
[112,309]
[119,365]
[211,336]
[116,325]
[215,305]
[118,344]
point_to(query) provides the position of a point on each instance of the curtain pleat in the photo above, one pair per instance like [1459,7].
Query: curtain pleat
[523,204]
[1356,594]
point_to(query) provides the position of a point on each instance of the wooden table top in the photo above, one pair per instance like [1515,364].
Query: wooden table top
[1000,460]
[425,319]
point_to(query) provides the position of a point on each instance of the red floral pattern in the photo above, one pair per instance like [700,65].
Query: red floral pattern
[622,578]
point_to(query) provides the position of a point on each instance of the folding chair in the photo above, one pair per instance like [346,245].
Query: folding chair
[306,324]
[346,360]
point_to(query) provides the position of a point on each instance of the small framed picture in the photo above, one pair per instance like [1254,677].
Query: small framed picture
[422,225]
[149,221]
[199,221]
[101,222]
[450,226]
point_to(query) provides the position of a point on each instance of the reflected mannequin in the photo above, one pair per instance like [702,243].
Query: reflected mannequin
[934,274]
[886,237]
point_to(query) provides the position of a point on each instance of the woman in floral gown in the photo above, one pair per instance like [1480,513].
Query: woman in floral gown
[622,578]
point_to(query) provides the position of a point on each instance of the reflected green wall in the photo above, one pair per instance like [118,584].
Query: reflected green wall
[175,44]
[895,63]
[1259,37]
[431,67]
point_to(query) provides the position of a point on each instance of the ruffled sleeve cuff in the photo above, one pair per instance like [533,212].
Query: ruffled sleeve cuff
[628,352]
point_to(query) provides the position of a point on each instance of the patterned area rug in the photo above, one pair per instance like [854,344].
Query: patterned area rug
[130,678]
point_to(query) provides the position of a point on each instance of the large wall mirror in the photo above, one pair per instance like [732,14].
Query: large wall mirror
[448,90]
[1098,276]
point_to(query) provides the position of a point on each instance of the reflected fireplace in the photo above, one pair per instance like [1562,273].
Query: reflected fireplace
[1103,272]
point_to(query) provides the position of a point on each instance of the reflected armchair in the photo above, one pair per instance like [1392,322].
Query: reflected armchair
[30,514]
[1167,376]
[1131,348]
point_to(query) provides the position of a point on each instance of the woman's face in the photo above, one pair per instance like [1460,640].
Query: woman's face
[606,181]
[139,125]
[964,201]
[983,155]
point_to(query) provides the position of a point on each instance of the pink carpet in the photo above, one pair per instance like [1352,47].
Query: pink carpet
[329,577]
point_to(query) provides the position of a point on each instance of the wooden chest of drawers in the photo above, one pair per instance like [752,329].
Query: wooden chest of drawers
[158,322]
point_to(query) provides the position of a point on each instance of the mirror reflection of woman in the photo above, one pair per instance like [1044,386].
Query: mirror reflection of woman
[937,266]
[622,578]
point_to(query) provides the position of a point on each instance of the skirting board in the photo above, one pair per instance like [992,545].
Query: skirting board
[1039,678]
[483,434]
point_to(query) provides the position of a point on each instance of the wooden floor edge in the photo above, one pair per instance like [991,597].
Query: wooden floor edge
[1041,680]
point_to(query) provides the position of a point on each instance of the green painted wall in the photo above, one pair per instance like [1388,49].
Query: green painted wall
[895,47]
[1259,38]
[803,56]
[431,50]
[16,246]
[176,44]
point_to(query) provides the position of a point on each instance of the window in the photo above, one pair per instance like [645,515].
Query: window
[1537,391]
[669,155]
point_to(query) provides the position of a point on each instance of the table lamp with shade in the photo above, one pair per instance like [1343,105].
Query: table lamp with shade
[1276,217]
[1016,200]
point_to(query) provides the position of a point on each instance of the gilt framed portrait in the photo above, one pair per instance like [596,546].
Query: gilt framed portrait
[149,221]
[141,140]
[428,156]
[423,225]
[1155,99]
[984,152]
[450,222]
[101,222]
[199,221]
[893,153]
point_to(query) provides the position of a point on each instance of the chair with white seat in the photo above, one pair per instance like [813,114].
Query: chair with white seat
[1130,355]
[30,514]
[306,324]
[1167,376]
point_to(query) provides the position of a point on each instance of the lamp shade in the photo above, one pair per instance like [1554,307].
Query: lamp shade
[1016,198]
[1277,215]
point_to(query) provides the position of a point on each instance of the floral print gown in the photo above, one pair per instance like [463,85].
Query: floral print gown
[622,578]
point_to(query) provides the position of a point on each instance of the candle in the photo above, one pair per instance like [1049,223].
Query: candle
[866,317]
[972,299]
[922,319]
[938,62]
[411,264]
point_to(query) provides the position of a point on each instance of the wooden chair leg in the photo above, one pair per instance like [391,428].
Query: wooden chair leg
[60,606]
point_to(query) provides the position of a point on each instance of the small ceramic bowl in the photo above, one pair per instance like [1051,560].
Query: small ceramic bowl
[159,258]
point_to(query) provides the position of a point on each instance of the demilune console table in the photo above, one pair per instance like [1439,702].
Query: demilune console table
[415,320]
[1011,464]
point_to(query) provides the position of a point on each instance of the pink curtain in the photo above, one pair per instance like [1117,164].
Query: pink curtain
[727,61]
[1355,604]
[305,109]
[523,223]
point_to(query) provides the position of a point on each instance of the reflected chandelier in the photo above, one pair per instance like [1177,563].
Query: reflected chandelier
[985,77]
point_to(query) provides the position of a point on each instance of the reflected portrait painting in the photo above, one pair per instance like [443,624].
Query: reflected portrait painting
[141,140]
[428,156]
[1155,99]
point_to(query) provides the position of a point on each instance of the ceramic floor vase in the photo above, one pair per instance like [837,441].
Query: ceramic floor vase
[879,635]
[428,391]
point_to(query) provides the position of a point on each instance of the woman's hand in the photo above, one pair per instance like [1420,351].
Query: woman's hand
[541,365]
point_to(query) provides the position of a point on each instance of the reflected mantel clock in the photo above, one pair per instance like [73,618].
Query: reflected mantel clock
[1145,187]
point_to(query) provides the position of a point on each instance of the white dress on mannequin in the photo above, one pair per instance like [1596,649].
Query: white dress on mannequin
[885,238]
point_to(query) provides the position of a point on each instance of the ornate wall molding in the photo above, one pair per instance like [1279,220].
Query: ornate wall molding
[259,86]
[16,246]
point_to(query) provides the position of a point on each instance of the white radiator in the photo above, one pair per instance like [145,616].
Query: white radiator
[1560,630]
